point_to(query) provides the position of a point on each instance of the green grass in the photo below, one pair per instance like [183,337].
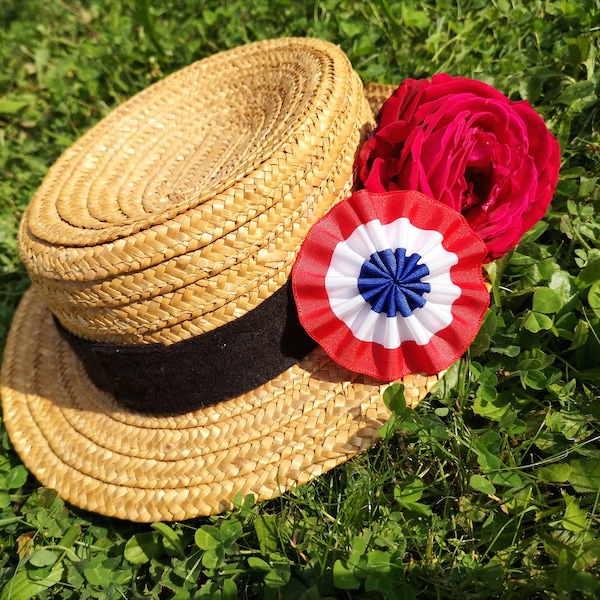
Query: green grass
[490,489]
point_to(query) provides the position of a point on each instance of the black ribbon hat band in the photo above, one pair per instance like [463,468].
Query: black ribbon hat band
[220,364]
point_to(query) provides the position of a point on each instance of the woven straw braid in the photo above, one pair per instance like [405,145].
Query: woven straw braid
[229,240]
[76,440]
[377,94]
[162,275]
[180,290]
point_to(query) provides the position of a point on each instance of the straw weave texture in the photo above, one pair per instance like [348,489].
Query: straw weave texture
[377,94]
[179,212]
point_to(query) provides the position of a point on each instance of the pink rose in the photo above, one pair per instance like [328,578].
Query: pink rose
[464,143]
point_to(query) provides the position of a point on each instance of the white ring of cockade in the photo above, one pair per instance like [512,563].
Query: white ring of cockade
[348,304]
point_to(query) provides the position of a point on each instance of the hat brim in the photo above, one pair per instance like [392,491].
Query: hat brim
[75,439]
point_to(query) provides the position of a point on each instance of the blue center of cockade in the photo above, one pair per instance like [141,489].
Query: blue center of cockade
[391,282]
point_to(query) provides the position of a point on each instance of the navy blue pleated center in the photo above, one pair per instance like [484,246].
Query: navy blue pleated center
[391,282]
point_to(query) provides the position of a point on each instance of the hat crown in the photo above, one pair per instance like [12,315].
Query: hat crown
[185,207]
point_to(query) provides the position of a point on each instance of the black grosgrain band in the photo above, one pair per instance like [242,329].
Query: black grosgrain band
[218,365]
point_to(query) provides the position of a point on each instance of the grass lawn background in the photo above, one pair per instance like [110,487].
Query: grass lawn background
[490,489]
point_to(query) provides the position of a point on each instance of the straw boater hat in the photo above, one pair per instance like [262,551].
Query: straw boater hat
[156,368]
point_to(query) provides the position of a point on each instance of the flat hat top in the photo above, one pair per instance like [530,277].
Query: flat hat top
[186,139]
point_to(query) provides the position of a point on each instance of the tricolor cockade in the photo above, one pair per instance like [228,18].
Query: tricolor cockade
[391,283]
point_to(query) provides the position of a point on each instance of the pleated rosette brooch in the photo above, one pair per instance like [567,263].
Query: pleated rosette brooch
[389,282]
